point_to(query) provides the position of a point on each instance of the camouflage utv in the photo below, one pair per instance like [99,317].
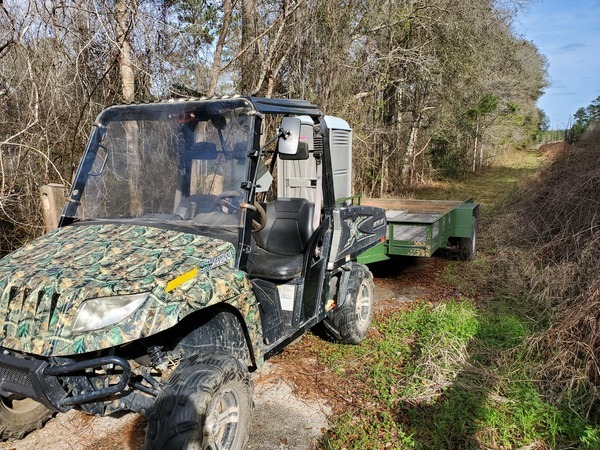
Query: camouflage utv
[191,248]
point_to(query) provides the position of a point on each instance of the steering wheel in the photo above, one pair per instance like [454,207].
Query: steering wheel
[226,204]
[257,225]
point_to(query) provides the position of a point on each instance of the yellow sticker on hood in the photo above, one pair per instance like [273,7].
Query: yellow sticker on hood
[176,282]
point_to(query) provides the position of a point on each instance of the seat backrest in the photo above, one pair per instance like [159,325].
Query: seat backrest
[288,228]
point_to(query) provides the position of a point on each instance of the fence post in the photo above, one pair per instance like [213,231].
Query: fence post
[54,197]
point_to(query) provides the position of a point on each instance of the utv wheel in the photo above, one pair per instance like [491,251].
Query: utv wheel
[18,417]
[206,404]
[350,323]
[468,246]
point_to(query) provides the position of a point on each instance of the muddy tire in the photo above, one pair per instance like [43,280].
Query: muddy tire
[468,246]
[350,322]
[206,404]
[18,417]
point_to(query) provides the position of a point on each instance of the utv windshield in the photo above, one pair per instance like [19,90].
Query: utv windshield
[180,162]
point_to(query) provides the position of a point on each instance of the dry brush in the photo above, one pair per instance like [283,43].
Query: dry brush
[549,245]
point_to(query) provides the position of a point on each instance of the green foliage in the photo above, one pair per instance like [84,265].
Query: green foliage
[367,431]
[583,117]
[487,104]
[503,330]
[446,159]
[516,119]
[593,110]
[402,337]
[449,324]
[488,400]
[577,130]
[512,106]
[590,438]
[544,121]
[451,360]
[197,18]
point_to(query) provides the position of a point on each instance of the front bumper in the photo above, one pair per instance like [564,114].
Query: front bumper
[44,382]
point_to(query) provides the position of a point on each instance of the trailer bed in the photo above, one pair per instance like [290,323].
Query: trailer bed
[421,227]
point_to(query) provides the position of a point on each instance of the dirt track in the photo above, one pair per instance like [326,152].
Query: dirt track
[291,401]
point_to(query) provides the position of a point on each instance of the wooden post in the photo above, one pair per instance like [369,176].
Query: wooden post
[54,197]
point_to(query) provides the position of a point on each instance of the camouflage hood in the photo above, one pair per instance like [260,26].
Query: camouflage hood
[43,284]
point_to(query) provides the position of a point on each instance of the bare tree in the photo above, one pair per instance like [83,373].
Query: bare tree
[251,56]
[408,76]
[216,64]
[124,14]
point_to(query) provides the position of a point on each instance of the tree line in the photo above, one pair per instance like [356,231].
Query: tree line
[584,118]
[432,88]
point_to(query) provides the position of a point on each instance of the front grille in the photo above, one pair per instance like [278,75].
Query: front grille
[15,376]
[24,376]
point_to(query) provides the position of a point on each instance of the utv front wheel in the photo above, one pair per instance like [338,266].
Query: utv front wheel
[350,322]
[20,416]
[207,404]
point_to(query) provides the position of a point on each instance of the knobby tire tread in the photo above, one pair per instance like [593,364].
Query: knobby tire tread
[341,326]
[174,420]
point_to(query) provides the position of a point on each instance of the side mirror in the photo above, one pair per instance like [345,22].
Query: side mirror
[288,143]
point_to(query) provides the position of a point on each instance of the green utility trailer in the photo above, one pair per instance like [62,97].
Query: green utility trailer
[420,227]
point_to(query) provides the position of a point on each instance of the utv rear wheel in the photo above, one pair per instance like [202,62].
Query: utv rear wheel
[207,404]
[20,416]
[350,322]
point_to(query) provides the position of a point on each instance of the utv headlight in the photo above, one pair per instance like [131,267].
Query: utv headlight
[97,313]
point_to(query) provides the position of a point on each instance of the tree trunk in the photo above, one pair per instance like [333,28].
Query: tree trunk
[250,61]
[124,18]
[216,64]
[481,153]
[407,165]
[384,169]
[475,148]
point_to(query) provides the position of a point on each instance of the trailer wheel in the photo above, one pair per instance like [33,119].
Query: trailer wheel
[206,404]
[20,416]
[350,323]
[468,246]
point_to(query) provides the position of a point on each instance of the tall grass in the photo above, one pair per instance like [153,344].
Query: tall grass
[556,257]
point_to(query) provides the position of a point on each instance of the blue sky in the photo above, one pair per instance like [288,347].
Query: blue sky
[568,34]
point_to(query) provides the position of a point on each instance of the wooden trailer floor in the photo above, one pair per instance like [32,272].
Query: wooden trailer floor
[413,207]
[404,212]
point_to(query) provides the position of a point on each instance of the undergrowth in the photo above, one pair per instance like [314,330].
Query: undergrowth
[440,376]
[556,258]
[511,364]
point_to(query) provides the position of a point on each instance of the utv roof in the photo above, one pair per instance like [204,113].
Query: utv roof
[271,105]
[285,106]
[260,104]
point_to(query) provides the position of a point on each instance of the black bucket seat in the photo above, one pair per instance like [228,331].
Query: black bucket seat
[280,245]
